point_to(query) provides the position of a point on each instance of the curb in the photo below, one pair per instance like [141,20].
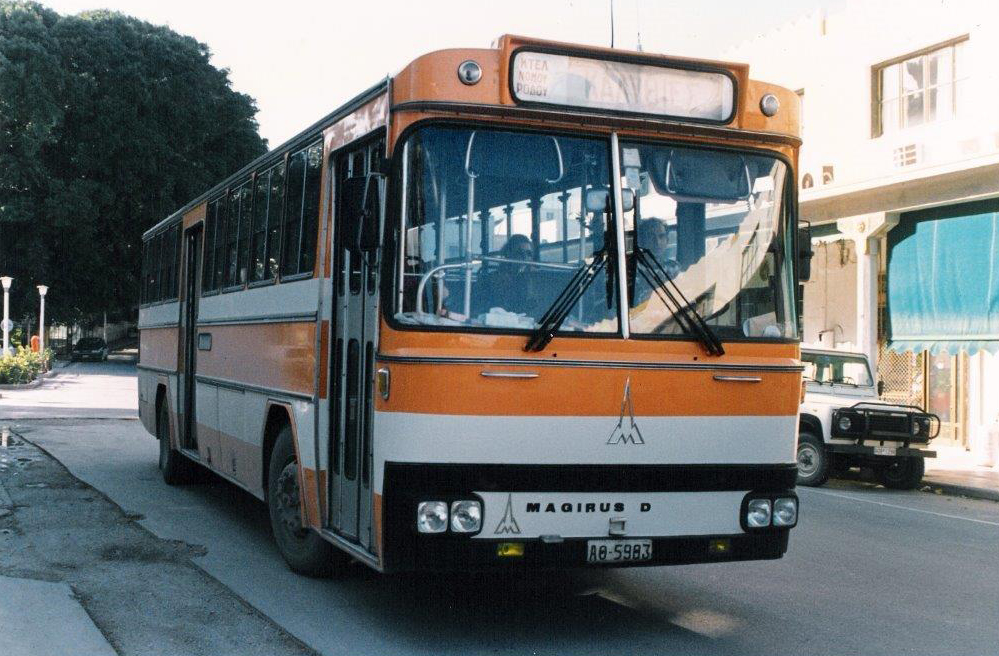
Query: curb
[962,490]
[35,383]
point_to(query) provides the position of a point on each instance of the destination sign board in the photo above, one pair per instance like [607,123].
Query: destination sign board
[584,82]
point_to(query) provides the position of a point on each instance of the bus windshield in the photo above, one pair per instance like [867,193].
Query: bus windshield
[708,224]
[710,221]
[496,226]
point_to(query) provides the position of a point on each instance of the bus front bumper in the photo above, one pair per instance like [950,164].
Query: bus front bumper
[561,516]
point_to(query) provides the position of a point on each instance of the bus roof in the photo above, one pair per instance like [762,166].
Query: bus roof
[421,85]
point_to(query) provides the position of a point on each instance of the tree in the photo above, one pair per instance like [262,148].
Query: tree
[107,125]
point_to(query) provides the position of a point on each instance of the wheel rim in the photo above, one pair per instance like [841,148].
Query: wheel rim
[808,460]
[286,502]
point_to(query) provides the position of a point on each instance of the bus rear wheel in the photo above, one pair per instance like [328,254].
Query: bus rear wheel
[176,469]
[305,551]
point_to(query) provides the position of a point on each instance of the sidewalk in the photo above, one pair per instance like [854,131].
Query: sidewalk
[956,471]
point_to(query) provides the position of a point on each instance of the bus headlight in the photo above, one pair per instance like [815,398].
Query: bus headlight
[466,516]
[431,517]
[785,512]
[758,513]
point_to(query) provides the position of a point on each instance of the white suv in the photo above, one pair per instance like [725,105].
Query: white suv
[843,424]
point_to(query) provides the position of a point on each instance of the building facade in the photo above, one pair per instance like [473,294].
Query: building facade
[899,179]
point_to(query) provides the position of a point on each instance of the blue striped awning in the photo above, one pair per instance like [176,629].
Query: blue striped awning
[943,280]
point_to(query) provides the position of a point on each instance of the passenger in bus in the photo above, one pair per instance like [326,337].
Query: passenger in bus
[510,285]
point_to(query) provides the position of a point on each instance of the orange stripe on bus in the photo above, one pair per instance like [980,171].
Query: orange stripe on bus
[159,347]
[272,355]
[461,389]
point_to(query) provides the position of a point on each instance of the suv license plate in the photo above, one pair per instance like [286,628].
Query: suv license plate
[884,451]
[618,551]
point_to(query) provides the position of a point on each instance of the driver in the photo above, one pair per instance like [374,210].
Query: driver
[653,236]
[509,285]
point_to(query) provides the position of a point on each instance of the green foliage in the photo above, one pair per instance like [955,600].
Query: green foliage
[23,366]
[107,125]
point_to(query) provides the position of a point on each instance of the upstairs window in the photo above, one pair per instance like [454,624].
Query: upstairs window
[919,88]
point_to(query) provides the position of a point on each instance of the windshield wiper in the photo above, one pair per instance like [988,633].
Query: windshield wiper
[672,297]
[559,310]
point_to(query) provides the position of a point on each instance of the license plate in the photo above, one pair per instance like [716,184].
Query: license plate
[618,551]
[884,451]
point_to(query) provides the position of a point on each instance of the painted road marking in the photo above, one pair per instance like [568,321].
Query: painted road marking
[892,505]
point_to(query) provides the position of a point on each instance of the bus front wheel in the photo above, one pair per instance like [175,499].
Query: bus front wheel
[305,551]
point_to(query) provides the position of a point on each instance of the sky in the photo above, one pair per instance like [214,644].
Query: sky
[301,59]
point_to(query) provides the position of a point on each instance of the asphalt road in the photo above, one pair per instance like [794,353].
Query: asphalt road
[869,571]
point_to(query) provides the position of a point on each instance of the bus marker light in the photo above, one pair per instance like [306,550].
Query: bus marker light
[769,104]
[383,380]
[510,549]
[469,72]
[719,547]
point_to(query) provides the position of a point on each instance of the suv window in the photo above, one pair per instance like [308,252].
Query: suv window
[830,368]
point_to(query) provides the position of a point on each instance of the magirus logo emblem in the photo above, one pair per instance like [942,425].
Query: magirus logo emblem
[509,523]
[629,434]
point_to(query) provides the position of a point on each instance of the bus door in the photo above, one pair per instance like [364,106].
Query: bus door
[189,335]
[354,330]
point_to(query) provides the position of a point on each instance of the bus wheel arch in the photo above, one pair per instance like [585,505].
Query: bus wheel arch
[158,406]
[278,416]
[175,467]
[304,550]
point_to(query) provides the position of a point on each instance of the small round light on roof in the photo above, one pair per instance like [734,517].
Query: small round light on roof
[769,104]
[469,72]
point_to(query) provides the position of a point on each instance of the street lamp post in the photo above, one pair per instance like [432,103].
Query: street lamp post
[6,280]
[41,319]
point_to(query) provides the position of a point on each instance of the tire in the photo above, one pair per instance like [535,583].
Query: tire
[813,460]
[305,551]
[176,469]
[901,473]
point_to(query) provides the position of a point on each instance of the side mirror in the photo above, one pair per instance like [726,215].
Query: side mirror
[805,252]
[881,388]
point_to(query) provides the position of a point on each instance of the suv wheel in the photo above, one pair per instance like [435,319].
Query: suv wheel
[901,473]
[813,460]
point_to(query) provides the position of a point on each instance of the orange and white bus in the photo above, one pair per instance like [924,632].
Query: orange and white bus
[524,306]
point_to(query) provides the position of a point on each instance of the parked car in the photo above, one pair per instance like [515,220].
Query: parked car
[844,424]
[90,348]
